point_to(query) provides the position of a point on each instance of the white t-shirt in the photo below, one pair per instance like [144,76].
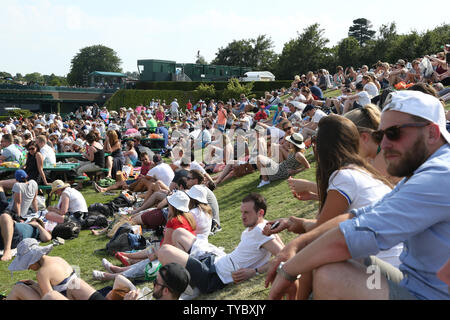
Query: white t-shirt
[203,221]
[77,203]
[174,106]
[319,114]
[248,254]
[363,98]
[162,172]
[361,189]
[371,89]
[49,155]
[196,166]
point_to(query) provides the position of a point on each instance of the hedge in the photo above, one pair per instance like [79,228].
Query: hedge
[133,98]
[219,86]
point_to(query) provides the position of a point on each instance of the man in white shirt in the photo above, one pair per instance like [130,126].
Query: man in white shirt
[310,128]
[162,172]
[174,108]
[249,259]
[47,152]
[358,100]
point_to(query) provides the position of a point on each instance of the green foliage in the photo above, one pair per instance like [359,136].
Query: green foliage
[253,53]
[133,98]
[235,89]
[302,54]
[24,113]
[206,91]
[93,58]
[348,52]
[360,30]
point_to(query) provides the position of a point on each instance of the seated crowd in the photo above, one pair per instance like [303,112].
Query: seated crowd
[379,149]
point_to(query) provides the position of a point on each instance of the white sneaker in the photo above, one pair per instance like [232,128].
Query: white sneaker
[263,183]
[190,293]
[107,265]
[98,275]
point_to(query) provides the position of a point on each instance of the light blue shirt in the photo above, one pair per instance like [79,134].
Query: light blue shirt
[417,213]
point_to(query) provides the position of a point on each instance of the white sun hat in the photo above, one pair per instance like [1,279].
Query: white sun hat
[179,200]
[198,193]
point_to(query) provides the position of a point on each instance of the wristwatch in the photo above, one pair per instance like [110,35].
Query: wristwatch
[257,272]
[286,275]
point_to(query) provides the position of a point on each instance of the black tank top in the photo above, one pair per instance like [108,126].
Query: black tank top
[31,167]
[99,157]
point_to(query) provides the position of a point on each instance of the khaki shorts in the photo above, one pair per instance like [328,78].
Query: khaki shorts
[393,276]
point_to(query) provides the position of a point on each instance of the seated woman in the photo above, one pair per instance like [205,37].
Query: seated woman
[71,203]
[178,217]
[131,155]
[52,273]
[295,162]
[366,120]
[345,181]
[116,161]
[34,167]
[94,153]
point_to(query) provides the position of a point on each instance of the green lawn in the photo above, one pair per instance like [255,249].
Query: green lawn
[80,252]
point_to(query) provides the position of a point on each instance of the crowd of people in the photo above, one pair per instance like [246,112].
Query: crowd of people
[380,148]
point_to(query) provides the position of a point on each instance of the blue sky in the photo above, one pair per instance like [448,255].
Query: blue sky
[44,35]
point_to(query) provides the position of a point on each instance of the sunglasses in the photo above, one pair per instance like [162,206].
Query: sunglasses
[394,133]
[155,283]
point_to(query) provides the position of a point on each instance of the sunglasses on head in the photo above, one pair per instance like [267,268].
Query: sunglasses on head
[394,133]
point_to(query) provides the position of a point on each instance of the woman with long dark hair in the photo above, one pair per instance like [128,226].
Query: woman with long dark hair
[345,181]
[116,161]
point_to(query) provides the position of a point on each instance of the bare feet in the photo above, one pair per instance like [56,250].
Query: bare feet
[7,255]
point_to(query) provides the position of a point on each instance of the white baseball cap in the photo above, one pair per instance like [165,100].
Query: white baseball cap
[418,104]
[179,200]
[198,193]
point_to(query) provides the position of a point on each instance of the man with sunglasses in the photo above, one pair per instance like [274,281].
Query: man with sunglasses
[171,281]
[415,144]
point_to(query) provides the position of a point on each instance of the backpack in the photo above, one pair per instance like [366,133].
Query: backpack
[91,220]
[100,208]
[67,230]
[125,241]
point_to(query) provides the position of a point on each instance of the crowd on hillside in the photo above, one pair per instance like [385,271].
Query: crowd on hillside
[380,147]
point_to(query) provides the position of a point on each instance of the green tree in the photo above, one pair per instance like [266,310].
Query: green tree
[380,49]
[305,53]
[235,89]
[253,53]
[93,58]
[348,52]
[34,77]
[360,30]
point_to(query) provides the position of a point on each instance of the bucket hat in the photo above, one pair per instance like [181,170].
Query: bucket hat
[179,200]
[198,193]
[28,252]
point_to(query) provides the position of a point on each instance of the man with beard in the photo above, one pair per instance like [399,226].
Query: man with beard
[415,144]
[249,259]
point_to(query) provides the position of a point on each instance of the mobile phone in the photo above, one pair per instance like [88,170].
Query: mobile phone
[276,224]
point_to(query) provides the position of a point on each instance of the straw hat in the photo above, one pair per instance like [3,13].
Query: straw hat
[198,193]
[179,200]
[297,140]
[58,184]
[28,252]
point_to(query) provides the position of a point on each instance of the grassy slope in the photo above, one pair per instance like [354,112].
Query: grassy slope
[80,251]
[280,204]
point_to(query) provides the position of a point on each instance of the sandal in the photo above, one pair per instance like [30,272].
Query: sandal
[119,256]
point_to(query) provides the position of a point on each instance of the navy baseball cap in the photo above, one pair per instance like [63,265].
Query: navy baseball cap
[21,175]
